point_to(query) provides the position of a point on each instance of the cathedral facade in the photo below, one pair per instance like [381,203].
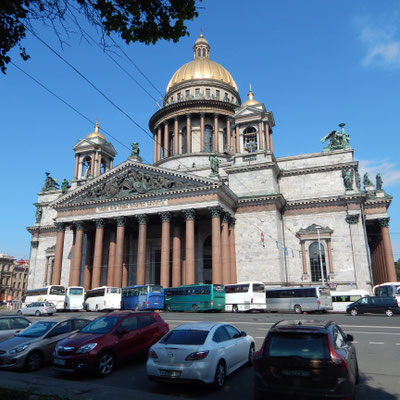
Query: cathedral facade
[216,206]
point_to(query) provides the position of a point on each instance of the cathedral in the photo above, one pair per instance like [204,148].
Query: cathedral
[216,205]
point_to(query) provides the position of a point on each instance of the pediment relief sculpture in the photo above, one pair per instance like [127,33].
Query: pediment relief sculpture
[133,182]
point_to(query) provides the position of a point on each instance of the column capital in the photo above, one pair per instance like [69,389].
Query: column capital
[189,214]
[384,222]
[79,225]
[142,219]
[176,118]
[120,221]
[202,114]
[188,115]
[100,223]
[60,226]
[216,115]
[35,244]
[215,211]
[226,217]
[165,216]
[232,222]
[352,219]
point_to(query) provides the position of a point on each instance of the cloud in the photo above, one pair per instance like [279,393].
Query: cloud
[388,170]
[382,46]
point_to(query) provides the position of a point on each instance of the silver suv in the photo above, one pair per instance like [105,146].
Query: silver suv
[38,309]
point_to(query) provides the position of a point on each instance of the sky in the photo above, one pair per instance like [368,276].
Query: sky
[313,63]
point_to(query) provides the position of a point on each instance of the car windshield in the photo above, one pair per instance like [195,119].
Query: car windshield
[101,325]
[38,329]
[185,336]
[305,345]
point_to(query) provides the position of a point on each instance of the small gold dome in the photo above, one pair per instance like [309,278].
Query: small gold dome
[250,101]
[96,132]
[201,67]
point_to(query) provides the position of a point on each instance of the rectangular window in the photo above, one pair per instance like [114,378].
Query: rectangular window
[179,96]
[217,94]
[197,92]
[208,92]
[187,92]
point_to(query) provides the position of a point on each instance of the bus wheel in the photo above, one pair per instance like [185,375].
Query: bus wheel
[168,308]
[235,308]
[195,308]
[297,309]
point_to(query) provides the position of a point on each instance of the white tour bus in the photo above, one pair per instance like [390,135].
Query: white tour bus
[53,293]
[341,299]
[387,289]
[299,299]
[245,296]
[74,298]
[103,298]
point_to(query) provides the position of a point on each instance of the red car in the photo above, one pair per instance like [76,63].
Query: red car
[99,345]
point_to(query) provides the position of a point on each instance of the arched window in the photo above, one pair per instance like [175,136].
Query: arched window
[315,262]
[204,52]
[199,52]
[184,140]
[224,140]
[250,139]
[171,144]
[208,138]
[87,166]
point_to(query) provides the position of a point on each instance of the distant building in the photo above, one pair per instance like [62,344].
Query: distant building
[13,277]
[215,206]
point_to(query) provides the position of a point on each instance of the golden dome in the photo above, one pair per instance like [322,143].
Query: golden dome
[96,132]
[250,101]
[201,67]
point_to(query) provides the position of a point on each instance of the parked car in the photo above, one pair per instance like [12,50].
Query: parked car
[10,325]
[38,309]
[107,339]
[199,352]
[306,360]
[374,304]
[34,346]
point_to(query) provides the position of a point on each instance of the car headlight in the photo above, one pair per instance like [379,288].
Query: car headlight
[86,348]
[19,349]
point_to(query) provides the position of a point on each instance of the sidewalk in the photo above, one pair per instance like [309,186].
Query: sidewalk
[74,390]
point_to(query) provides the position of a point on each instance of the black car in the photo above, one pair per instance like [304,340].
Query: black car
[374,304]
[306,360]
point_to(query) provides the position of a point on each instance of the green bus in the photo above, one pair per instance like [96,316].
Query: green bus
[197,297]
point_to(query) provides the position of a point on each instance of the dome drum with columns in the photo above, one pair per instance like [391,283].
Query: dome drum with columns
[216,206]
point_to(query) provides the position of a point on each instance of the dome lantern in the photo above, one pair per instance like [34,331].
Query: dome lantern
[201,48]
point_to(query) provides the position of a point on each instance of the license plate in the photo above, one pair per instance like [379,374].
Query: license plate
[59,361]
[295,372]
[170,373]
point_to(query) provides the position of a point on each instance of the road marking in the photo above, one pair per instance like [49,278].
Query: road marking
[263,337]
[397,344]
[374,333]
[376,343]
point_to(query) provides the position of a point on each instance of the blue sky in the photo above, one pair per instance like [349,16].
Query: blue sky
[313,63]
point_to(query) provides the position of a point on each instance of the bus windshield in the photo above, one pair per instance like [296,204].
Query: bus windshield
[156,289]
[75,291]
[57,290]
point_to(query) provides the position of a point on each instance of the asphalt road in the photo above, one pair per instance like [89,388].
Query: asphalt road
[377,340]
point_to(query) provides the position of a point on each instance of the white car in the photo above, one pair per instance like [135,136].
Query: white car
[204,351]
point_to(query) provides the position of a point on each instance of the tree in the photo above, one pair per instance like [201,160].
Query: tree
[144,21]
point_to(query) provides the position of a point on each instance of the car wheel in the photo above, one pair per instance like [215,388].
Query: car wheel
[136,308]
[37,313]
[235,308]
[34,361]
[252,350]
[195,308]
[297,309]
[353,312]
[105,365]
[19,312]
[50,314]
[389,312]
[220,373]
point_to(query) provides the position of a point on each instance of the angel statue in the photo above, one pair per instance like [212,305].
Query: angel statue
[214,164]
[50,183]
[379,181]
[366,180]
[135,149]
[337,140]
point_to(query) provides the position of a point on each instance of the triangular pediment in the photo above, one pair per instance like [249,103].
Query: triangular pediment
[257,110]
[133,179]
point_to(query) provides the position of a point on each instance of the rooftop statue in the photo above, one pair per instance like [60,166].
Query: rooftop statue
[50,183]
[338,140]
[214,164]
[64,186]
[366,180]
[135,149]
[379,181]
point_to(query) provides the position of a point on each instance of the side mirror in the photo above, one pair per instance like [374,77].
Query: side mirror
[243,333]
[349,338]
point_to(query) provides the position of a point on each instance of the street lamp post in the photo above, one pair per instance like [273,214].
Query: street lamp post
[320,256]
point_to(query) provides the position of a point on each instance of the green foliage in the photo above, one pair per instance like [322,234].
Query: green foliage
[397,265]
[145,21]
